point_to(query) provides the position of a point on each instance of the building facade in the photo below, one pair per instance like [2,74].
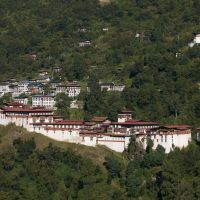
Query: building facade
[47,101]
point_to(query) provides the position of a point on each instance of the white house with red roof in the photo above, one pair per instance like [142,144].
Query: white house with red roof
[169,137]
[17,113]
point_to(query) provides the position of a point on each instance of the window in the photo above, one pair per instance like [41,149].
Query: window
[165,138]
[91,138]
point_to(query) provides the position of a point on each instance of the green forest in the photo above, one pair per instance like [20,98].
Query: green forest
[133,42]
[29,172]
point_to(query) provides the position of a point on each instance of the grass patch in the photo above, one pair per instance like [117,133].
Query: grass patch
[11,132]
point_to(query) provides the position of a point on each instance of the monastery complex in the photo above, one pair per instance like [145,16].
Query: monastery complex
[99,131]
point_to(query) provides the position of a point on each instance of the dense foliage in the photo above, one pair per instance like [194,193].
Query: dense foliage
[53,173]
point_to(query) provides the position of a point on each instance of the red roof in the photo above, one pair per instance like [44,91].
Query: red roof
[179,127]
[89,133]
[135,122]
[14,104]
[29,110]
[63,122]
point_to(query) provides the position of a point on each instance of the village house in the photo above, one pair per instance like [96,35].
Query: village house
[57,69]
[198,134]
[43,73]
[74,104]
[17,113]
[84,43]
[23,86]
[82,30]
[22,100]
[44,80]
[73,89]
[5,87]
[124,115]
[33,56]
[105,29]
[197,39]
[54,84]
[61,89]
[47,101]
[35,88]
[112,87]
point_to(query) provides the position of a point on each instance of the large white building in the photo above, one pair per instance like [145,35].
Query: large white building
[114,135]
[71,89]
[5,88]
[168,137]
[47,101]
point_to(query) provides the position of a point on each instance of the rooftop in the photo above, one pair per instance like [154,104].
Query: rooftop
[135,122]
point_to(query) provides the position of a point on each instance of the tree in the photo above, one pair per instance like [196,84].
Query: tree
[24,148]
[62,104]
[113,166]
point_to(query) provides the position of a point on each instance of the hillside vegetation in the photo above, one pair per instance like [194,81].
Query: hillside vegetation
[32,168]
[132,41]
[12,132]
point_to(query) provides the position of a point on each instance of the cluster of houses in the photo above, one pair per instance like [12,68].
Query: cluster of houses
[98,131]
[42,91]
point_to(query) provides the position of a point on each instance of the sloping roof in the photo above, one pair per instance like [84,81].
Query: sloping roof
[29,110]
[98,119]
[135,123]
[62,122]
[179,127]
[14,104]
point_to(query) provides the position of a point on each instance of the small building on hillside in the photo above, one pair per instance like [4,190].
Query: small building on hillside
[61,88]
[84,43]
[197,39]
[198,134]
[35,88]
[22,100]
[5,87]
[112,87]
[43,73]
[55,84]
[47,101]
[73,89]
[57,69]
[44,80]
[124,116]
[23,86]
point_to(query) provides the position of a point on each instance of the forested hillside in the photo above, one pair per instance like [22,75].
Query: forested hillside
[132,42]
[31,169]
